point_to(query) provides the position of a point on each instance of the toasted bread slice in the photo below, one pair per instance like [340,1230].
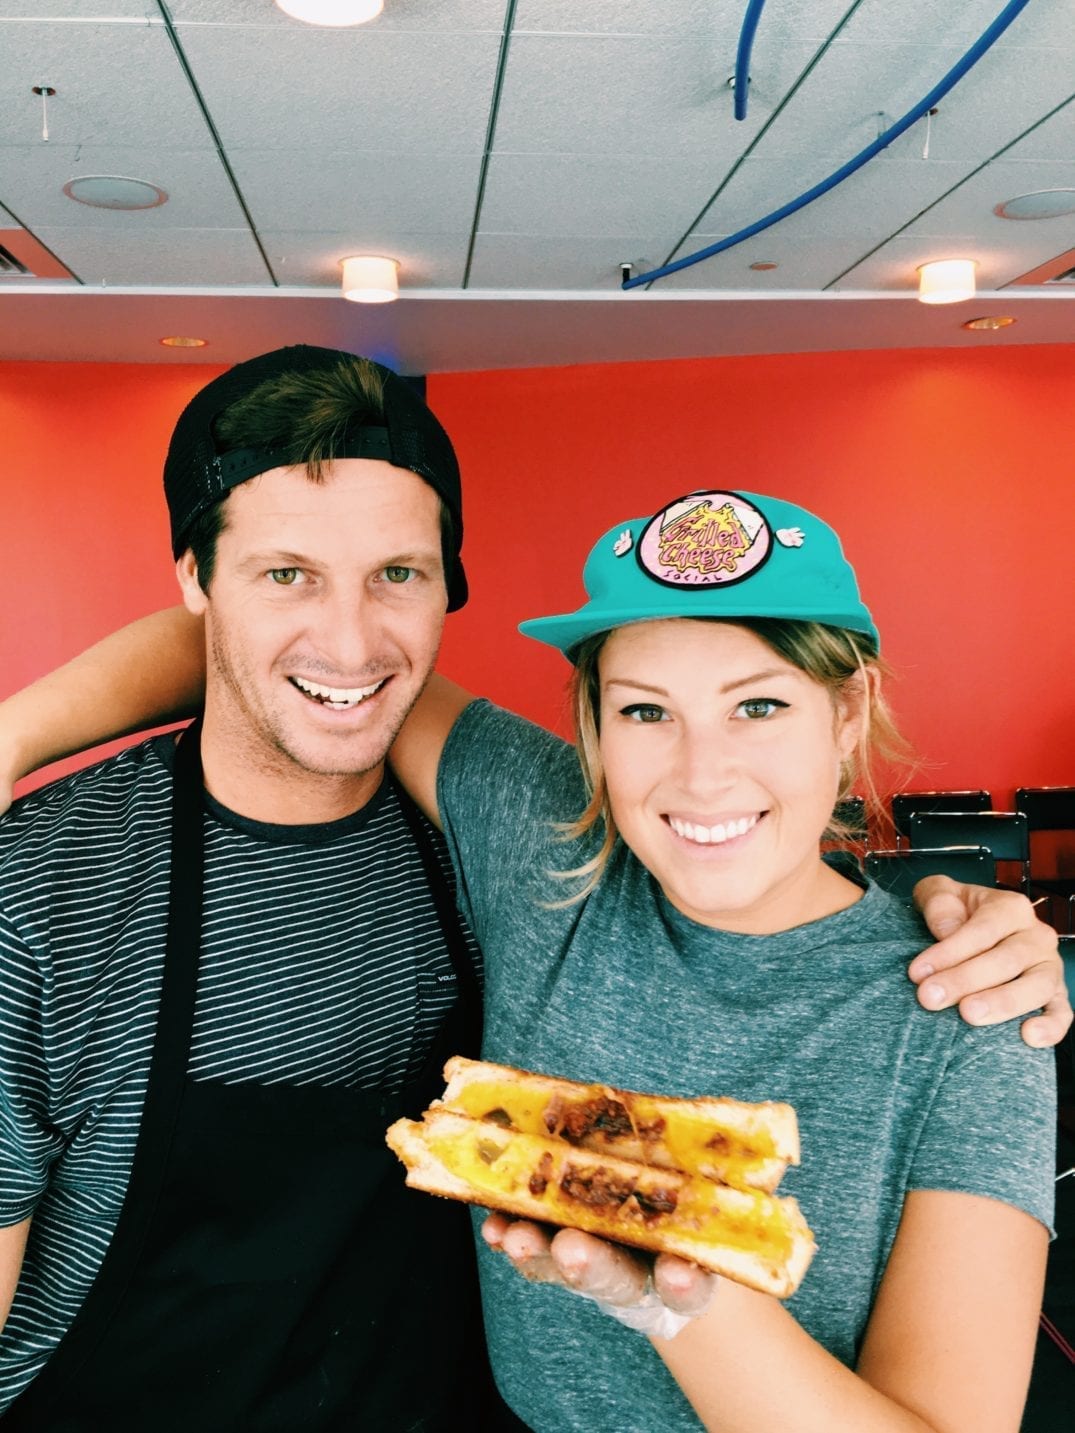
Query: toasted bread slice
[741,1145]
[746,1235]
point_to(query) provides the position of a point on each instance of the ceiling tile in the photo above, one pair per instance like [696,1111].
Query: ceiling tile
[1053,139]
[369,89]
[650,96]
[523,261]
[81,10]
[970,209]
[568,195]
[199,194]
[115,84]
[957,22]
[176,257]
[792,19]
[857,91]
[804,268]
[419,193]
[879,198]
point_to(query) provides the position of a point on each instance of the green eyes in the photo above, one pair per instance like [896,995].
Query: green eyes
[754,709]
[758,708]
[644,712]
[397,575]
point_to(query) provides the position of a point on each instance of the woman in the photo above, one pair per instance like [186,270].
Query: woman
[666,921]
[713,950]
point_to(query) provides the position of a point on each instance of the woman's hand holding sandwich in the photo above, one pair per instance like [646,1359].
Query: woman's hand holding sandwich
[654,1295]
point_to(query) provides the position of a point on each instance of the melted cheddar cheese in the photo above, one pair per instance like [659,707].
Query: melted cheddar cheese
[687,1140]
[501,1164]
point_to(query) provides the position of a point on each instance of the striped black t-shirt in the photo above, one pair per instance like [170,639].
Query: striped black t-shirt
[322,963]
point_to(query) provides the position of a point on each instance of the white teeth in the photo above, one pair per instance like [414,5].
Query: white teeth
[712,835]
[338,696]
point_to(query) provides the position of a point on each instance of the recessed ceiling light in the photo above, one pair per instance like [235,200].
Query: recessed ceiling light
[332,12]
[370,279]
[946,281]
[114,191]
[1042,204]
[177,341]
[990,322]
[764,265]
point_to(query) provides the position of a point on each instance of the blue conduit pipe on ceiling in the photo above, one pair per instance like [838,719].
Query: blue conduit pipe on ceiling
[937,93]
[742,56]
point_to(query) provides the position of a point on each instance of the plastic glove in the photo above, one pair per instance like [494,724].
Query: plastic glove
[656,1297]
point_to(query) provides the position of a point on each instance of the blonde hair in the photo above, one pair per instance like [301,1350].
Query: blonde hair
[835,657]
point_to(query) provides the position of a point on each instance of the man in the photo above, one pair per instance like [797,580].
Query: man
[213,1004]
[198,1059]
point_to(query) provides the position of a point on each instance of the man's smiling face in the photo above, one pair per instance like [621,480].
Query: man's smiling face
[323,620]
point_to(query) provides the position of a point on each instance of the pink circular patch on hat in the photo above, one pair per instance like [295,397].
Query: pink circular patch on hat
[705,540]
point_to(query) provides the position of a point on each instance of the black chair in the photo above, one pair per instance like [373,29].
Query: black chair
[1054,1365]
[1049,809]
[1067,955]
[900,871]
[906,802]
[1002,832]
[1065,1051]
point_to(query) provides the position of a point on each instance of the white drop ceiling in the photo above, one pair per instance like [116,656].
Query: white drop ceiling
[511,154]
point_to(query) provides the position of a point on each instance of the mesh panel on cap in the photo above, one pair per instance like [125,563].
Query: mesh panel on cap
[421,445]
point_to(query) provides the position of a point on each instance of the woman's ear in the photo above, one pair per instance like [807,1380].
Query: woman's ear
[853,707]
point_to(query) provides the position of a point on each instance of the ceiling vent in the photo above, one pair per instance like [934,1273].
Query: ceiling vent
[23,257]
[9,264]
[1060,270]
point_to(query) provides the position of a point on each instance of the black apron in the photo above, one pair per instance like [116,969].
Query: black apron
[269,1272]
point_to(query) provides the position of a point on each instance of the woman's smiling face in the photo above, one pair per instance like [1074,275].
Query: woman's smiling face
[722,762]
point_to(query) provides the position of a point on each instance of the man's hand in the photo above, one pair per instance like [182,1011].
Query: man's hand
[993,958]
[655,1296]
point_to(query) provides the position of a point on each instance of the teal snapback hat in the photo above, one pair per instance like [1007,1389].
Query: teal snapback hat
[713,554]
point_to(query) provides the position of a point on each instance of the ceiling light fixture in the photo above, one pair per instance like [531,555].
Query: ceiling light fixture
[762,266]
[332,12]
[370,279]
[114,191]
[177,341]
[946,281]
[989,322]
[1042,204]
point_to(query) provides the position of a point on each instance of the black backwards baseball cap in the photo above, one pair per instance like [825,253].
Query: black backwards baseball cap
[196,475]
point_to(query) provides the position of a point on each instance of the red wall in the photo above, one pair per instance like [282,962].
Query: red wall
[948,474]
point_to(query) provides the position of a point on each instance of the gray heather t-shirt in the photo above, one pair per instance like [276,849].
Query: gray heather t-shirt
[623,989]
